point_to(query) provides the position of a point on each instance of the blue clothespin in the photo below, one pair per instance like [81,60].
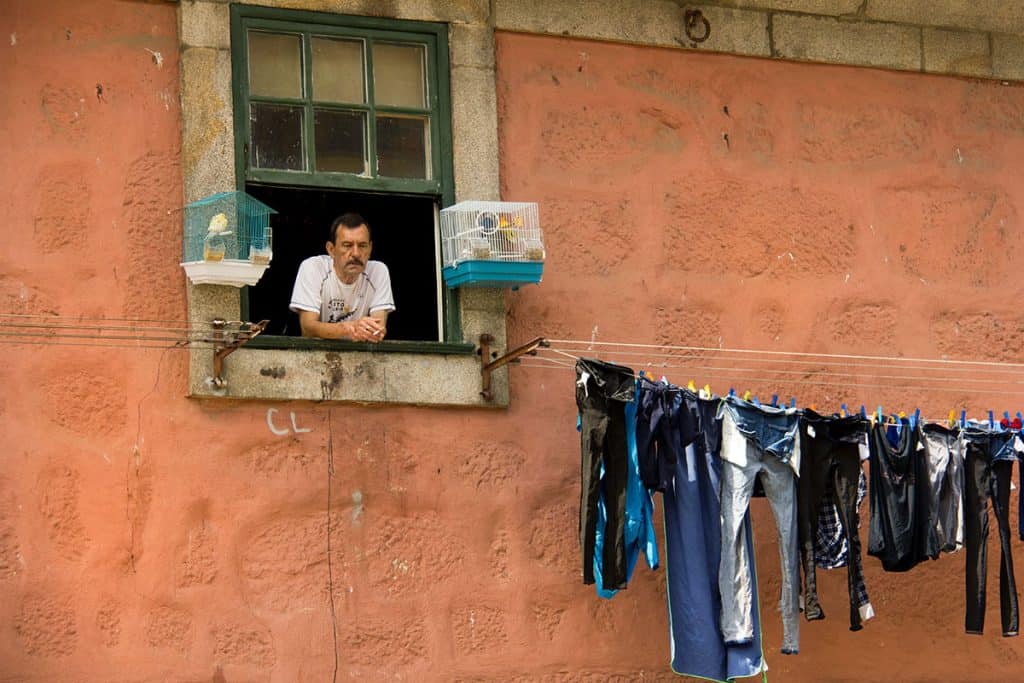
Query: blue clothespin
[963,419]
[914,420]
[755,401]
[775,400]
[732,392]
[863,413]
[792,402]
[991,422]
[1006,414]
[843,408]
[879,414]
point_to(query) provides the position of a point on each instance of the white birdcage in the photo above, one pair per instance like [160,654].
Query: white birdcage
[228,239]
[491,244]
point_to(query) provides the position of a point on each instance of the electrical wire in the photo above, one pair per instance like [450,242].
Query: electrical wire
[81,319]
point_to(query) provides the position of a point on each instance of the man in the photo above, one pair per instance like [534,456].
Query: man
[344,295]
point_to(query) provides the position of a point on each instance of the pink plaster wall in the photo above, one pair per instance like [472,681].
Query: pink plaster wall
[148,537]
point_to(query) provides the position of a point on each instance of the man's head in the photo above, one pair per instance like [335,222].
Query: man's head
[349,246]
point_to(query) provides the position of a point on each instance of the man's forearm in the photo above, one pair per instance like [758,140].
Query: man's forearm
[316,328]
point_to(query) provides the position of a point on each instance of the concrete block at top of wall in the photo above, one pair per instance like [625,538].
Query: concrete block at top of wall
[832,8]
[455,11]
[1008,56]
[207,127]
[474,134]
[651,22]
[472,45]
[980,15]
[204,24]
[738,31]
[957,52]
[827,39]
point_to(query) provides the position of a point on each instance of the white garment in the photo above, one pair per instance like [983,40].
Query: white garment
[318,289]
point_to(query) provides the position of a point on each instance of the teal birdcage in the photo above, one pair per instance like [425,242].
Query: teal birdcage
[491,244]
[228,239]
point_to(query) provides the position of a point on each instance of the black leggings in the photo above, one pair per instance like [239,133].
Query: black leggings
[823,462]
[986,479]
[602,391]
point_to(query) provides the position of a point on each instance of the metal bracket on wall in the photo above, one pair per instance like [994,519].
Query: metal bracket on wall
[225,342]
[488,365]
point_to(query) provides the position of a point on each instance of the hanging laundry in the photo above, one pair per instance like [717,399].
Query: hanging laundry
[693,548]
[602,392]
[945,448]
[988,466]
[758,440]
[639,527]
[830,459]
[902,531]
[831,549]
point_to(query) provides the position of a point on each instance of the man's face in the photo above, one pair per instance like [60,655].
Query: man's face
[350,252]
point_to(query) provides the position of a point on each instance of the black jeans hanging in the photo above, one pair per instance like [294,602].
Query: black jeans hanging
[602,392]
[830,457]
[987,477]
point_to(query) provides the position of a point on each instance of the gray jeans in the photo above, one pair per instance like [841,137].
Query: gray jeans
[739,470]
[946,476]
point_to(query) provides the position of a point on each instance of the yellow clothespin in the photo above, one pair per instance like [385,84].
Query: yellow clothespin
[814,407]
[746,395]
[691,386]
[902,414]
[952,418]
[707,390]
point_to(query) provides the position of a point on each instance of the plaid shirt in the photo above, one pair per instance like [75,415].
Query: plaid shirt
[831,549]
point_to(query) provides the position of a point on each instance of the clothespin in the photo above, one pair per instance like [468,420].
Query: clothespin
[991,422]
[792,402]
[814,408]
[863,413]
[952,418]
[963,419]
[691,386]
[755,401]
[775,400]
[901,415]
[707,390]
[880,414]
[916,418]
[842,410]
[732,392]
[746,395]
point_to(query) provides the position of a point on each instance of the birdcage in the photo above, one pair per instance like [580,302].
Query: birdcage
[228,239]
[491,244]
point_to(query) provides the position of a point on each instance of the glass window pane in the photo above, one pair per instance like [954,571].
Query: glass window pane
[338,70]
[403,146]
[275,64]
[398,75]
[276,137]
[340,141]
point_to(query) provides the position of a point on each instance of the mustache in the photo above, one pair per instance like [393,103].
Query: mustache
[355,261]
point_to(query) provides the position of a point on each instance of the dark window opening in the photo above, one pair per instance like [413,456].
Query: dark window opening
[403,238]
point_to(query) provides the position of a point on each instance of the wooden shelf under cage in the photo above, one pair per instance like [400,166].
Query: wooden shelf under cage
[227,272]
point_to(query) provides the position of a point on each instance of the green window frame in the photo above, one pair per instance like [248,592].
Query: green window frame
[370,31]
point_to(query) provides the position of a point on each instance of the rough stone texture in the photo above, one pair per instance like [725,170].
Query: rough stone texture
[550,526]
[87,400]
[63,208]
[59,491]
[454,11]
[957,52]
[1008,56]
[45,625]
[108,621]
[479,630]
[373,640]
[982,15]
[204,24]
[155,280]
[408,553]
[987,336]
[490,466]
[169,627]
[825,39]
[241,644]
[64,111]
[208,147]
[199,565]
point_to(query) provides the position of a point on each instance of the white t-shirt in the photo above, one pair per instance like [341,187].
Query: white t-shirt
[318,289]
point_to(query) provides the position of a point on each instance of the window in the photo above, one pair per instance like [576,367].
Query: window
[336,113]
